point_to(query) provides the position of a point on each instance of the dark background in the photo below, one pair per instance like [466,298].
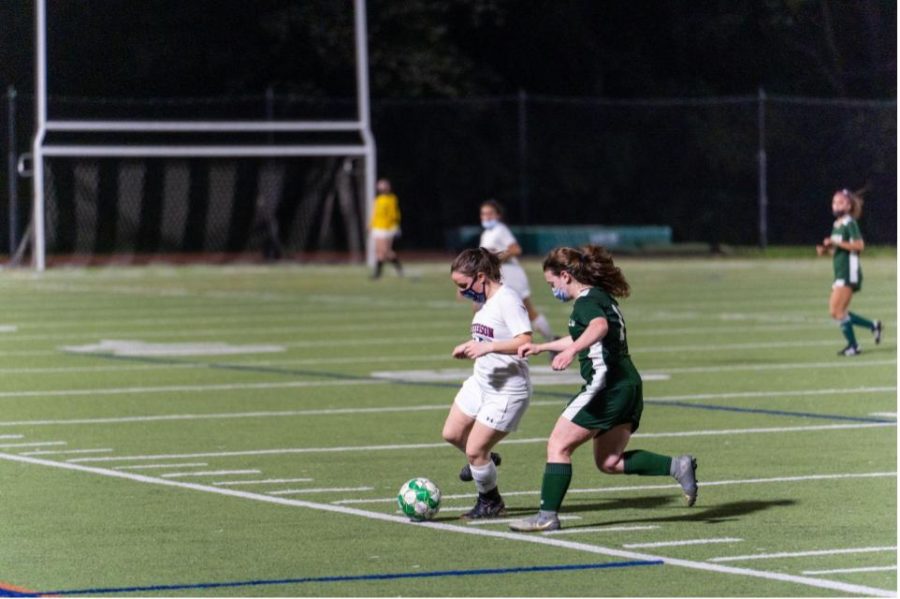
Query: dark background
[602,143]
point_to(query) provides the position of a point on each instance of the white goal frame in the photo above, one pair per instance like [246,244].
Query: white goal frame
[362,125]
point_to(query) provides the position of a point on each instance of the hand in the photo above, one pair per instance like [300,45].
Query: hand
[563,359]
[827,242]
[471,349]
[820,250]
[528,349]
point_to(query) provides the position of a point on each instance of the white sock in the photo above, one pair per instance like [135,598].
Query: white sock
[485,477]
[543,327]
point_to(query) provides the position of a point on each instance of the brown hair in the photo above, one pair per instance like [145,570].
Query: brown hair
[591,265]
[497,206]
[856,200]
[473,261]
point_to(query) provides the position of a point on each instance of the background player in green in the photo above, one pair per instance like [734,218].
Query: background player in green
[845,244]
[608,408]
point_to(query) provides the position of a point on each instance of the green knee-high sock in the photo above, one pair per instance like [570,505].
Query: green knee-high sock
[847,330]
[646,463]
[554,486]
[859,321]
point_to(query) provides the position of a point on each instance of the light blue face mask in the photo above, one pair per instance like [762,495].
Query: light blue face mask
[489,223]
[561,294]
[475,296]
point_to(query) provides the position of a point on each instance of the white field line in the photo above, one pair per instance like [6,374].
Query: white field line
[40,444]
[187,388]
[735,558]
[209,473]
[320,490]
[852,570]
[633,488]
[489,521]
[416,408]
[162,466]
[683,543]
[570,531]
[782,366]
[884,414]
[268,481]
[12,436]
[472,530]
[415,446]
[68,451]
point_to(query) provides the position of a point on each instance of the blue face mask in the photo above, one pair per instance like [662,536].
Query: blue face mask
[489,223]
[561,294]
[475,296]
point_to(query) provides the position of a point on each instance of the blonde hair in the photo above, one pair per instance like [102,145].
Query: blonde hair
[856,200]
[473,261]
[591,265]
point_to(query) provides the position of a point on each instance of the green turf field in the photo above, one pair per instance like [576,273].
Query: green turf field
[244,430]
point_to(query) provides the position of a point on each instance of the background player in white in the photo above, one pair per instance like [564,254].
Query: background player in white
[491,401]
[499,239]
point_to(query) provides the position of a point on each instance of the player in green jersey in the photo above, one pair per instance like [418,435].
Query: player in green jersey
[846,244]
[608,408]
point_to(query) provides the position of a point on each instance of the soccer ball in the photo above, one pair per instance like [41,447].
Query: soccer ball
[420,499]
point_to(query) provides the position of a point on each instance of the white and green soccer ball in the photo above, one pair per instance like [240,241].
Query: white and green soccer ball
[420,499]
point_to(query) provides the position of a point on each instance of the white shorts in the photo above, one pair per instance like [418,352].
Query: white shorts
[499,411]
[385,233]
[514,276]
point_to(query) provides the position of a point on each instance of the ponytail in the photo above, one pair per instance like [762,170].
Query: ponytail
[590,265]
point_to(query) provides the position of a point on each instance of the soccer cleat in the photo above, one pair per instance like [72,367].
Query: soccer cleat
[850,350]
[876,331]
[537,523]
[684,470]
[486,508]
[465,474]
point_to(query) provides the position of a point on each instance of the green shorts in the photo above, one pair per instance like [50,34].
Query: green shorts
[618,400]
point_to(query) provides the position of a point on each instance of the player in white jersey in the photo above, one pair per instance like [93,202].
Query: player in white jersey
[491,401]
[499,239]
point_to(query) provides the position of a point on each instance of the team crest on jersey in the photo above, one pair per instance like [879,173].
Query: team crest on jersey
[482,330]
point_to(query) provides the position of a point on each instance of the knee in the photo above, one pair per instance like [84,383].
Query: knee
[453,436]
[608,464]
[558,451]
[477,455]
[837,314]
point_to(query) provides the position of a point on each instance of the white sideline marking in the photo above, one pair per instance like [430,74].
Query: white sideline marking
[137,348]
[157,466]
[852,570]
[12,436]
[410,446]
[320,490]
[509,536]
[681,543]
[785,393]
[186,388]
[208,473]
[884,414]
[8,328]
[67,451]
[703,484]
[263,414]
[41,444]
[763,367]
[571,531]
[268,481]
[490,521]
[734,558]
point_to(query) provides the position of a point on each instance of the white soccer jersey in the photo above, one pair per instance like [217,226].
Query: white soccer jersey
[498,239]
[502,317]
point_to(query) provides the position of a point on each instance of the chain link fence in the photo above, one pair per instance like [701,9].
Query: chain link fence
[691,164]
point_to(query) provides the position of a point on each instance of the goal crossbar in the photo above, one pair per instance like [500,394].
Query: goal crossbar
[201,126]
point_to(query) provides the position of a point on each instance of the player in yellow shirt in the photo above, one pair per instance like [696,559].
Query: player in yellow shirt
[385,226]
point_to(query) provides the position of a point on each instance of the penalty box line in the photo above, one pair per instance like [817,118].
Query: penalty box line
[508,536]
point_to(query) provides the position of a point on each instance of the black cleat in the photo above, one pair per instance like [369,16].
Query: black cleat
[465,474]
[486,508]
[877,328]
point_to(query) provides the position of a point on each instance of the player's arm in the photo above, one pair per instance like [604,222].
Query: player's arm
[595,331]
[533,349]
[474,349]
[513,250]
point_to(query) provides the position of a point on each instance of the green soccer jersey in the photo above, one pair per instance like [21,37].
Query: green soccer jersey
[847,270]
[613,348]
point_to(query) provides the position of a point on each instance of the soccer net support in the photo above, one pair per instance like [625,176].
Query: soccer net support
[271,153]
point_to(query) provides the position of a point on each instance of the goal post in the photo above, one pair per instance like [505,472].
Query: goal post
[364,149]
